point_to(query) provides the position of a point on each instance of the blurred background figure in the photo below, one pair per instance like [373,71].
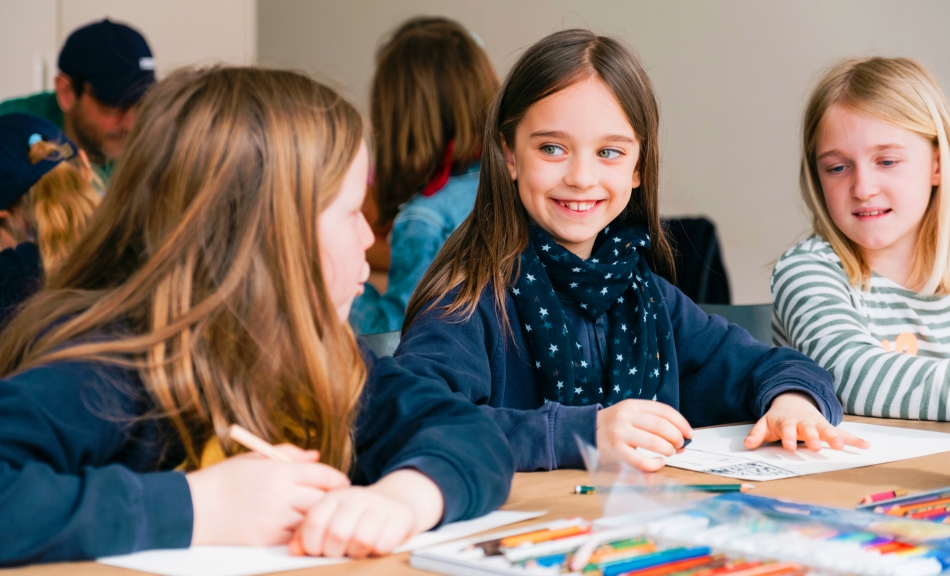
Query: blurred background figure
[104,70]
[430,95]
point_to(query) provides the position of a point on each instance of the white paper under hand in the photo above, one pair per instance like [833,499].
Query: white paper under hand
[722,451]
[252,560]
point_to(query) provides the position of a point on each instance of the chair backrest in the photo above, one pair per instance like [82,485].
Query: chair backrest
[755,318]
[382,344]
[697,254]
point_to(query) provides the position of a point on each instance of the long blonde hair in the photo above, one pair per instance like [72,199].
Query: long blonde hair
[60,204]
[201,269]
[906,94]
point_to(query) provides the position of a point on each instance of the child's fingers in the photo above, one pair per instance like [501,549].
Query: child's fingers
[810,435]
[341,527]
[661,427]
[313,529]
[297,454]
[852,440]
[303,498]
[757,434]
[640,461]
[365,534]
[647,440]
[396,531]
[671,415]
[790,435]
[831,435]
[320,476]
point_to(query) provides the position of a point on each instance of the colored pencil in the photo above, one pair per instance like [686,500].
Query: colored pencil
[880,506]
[249,440]
[651,560]
[583,489]
[890,495]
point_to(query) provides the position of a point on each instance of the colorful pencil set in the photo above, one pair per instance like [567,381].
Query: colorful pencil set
[932,506]
[731,535]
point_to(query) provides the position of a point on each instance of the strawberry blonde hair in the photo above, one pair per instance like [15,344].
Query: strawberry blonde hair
[201,269]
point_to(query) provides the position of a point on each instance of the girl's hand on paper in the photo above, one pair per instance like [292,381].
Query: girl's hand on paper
[794,416]
[370,521]
[630,424]
[253,501]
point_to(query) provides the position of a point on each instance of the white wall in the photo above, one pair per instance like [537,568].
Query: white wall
[179,32]
[732,78]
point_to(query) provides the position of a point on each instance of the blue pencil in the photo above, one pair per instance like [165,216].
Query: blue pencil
[651,560]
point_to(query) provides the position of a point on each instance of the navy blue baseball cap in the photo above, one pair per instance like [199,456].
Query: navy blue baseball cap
[113,57]
[18,132]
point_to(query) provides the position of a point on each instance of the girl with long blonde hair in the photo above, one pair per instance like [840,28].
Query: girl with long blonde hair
[868,295]
[211,289]
[47,195]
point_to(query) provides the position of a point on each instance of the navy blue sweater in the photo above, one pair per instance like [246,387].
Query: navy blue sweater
[79,478]
[21,273]
[720,374]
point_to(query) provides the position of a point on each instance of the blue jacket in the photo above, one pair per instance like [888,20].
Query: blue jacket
[81,476]
[419,231]
[21,274]
[720,375]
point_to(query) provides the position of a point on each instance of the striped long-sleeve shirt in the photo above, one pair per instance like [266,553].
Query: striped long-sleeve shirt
[866,339]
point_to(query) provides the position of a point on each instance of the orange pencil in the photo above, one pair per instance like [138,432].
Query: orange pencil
[543,536]
[681,566]
[903,510]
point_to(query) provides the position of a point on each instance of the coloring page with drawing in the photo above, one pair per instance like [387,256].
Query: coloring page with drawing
[721,451]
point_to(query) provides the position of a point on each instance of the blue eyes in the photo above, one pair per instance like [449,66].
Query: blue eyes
[555,150]
[839,168]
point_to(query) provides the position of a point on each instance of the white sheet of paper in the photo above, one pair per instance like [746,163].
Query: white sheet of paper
[721,451]
[251,560]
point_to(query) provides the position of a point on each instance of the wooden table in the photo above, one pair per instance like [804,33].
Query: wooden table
[551,491]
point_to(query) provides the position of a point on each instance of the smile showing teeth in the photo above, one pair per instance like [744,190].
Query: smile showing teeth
[871,213]
[577,206]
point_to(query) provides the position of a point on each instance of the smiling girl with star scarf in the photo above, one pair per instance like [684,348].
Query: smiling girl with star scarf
[543,307]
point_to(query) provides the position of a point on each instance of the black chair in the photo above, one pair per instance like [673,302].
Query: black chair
[700,273]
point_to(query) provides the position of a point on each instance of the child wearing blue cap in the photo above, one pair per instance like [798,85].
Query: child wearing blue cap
[47,194]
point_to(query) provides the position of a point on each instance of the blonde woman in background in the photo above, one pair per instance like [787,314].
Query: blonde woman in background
[868,295]
[47,195]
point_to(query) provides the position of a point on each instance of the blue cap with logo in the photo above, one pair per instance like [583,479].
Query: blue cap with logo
[19,132]
[113,58]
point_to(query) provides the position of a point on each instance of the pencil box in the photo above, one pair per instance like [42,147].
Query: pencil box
[730,535]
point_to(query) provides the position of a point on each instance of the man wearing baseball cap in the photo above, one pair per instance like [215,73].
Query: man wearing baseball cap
[104,70]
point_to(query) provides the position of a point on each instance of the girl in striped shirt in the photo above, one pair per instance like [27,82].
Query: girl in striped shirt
[868,295]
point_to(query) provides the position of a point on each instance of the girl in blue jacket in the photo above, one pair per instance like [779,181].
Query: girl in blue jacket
[543,308]
[212,288]
[430,97]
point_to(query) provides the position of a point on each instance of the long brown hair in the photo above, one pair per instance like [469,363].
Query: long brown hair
[60,204]
[433,85]
[201,268]
[906,94]
[485,248]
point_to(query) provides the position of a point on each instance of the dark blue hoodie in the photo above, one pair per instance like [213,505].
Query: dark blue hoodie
[81,476]
[721,374]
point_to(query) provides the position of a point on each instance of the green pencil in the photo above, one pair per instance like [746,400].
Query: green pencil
[581,489]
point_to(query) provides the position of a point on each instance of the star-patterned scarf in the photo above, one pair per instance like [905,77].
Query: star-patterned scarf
[617,281]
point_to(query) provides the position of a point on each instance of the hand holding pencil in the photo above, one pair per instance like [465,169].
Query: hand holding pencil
[253,501]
